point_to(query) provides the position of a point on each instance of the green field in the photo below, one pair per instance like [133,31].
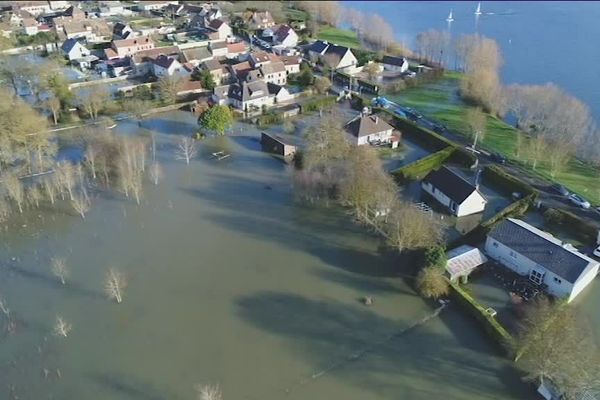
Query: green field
[296,15]
[440,101]
[343,37]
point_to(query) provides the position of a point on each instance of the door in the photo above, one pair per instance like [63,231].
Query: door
[536,276]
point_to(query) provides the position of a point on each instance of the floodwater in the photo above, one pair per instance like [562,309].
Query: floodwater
[233,282]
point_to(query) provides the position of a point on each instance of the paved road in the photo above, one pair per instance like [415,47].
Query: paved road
[547,196]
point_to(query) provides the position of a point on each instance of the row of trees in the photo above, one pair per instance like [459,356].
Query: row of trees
[353,176]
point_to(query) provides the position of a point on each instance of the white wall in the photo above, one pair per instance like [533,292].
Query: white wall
[473,204]
[439,196]
[584,279]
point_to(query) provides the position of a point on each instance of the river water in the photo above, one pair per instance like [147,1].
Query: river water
[540,41]
[231,281]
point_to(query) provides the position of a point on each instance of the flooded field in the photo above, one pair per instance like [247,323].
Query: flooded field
[230,281]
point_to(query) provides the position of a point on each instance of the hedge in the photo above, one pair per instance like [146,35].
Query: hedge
[578,226]
[506,182]
[490,325]
[420,168]
[317,104]
[269,119]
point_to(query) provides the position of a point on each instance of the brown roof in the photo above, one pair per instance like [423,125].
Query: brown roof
[241,66]
[215,24]
[189,86]
[110,53]
[132,42]
[367,125]
[239,47]
[29,22]
[273,68]
[212,65]
[291,60]
[148,55]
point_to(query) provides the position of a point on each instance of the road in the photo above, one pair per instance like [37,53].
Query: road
[547,196]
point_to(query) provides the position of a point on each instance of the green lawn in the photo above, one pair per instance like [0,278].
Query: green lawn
[343,37]
[440,101]
[296,15]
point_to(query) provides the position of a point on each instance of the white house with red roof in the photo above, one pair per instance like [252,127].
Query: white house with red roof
[128,47]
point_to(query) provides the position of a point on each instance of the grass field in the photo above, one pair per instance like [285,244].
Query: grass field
[343,37]
[440,101]
[296,15]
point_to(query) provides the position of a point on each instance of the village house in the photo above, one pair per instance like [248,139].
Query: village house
[74,50]
[219,29]
[260,20]
[128,47]
[334,56]
[285,36]
[142,62]
[243,72]
[166,66]
[90,30]
[235,50]
[218,49]
[366,129]
[196,55]
[153,5]
[274,72]
[109,8]
[122,31]
[220,95]
[249,96]
[292,64]
[219,72]
[558,267]
[452,191]
[395,64]
[30,26]
[260,58]
[33,7]
[280,93]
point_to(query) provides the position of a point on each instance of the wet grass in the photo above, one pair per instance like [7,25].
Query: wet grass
[343,37]
[440,101]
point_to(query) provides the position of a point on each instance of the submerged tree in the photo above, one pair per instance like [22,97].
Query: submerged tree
[186,149]
[59,269]
[115,284]
[81,203]
[14,189]
[209,392]
[431,282]
[155,172]
[62,327]
[217,119]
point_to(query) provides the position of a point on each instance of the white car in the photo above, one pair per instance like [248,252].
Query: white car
[579,201]
[597,251]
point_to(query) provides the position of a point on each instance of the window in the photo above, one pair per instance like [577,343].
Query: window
[559,281]
[495,244]
[536,277]
[513,254]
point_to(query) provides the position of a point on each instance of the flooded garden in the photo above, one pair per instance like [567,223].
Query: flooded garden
[230,281]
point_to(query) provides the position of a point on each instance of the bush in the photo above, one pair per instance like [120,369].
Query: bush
[436,257]
[577,226]
[431,282]
[422,167]
[269,119]
[554,216]
[506,182]
[516,209]
[492,327]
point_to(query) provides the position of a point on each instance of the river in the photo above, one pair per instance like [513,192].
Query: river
[231,281]
[540,41]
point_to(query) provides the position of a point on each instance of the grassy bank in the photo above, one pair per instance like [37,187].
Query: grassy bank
[440,101]
[343,37]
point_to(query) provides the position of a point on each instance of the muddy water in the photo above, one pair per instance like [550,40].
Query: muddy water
[232,282]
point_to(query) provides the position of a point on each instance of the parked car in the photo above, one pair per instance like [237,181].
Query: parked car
[579,201]
[499,158]
[560,189]
[597,251]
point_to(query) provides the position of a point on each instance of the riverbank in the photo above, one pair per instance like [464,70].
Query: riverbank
[440,101]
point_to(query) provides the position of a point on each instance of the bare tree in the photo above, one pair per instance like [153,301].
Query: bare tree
[53,104]
[372,70]
[4,307]
[65,177]
[34,195]
[209,392]
[91,155]
[186,149]
[115,284]
[169,87]
[534,149]
[14,189]
[59,269]
[49,185]
[4,210]
[155,172]
[94,102]
[322,85]
[62,327]
[81,203]
[476,123]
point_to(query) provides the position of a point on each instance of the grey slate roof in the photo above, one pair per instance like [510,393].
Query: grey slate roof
[249,90]
[397,61]
[451,184]
[367,125]
[68,45]
[319,46]
[542,248]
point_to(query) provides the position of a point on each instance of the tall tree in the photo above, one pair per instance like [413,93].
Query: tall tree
[217,119]
[476,123]
[168,87]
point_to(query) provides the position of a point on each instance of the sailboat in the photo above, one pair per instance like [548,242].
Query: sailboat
[478,10]
[450,18]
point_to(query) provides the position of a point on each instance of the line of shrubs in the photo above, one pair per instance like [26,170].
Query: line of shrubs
[489,323]
[418,169]
[507,182]
[571,222]
[317,104]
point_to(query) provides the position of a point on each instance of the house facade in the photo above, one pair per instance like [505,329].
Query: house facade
[366,129]
[395,64]
[166,66]
[541,257]
[452,191]
[74,50]
[220,28]
[276,145]
[250,95]
[128,47]
[285,36]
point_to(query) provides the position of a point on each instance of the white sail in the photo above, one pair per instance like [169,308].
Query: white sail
[478,11]
[450,18]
